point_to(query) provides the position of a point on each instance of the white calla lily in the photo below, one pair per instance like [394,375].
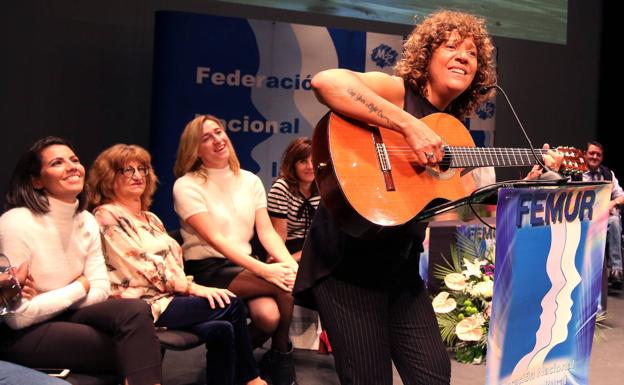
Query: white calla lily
[443,304]
[469,329]
[455,281]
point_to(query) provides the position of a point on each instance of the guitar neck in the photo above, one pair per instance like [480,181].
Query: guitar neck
[463,157]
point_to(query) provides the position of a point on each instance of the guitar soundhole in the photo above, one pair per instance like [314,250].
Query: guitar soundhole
[439,173]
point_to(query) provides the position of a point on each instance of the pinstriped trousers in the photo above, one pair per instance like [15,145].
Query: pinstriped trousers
[369,329]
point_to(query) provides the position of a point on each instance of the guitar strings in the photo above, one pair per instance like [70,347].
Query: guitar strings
[474,156]
[463,156]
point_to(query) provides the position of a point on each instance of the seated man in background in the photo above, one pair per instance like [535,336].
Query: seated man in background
[598,172]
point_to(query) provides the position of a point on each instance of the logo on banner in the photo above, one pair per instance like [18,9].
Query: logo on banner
[384,56]
[486,110]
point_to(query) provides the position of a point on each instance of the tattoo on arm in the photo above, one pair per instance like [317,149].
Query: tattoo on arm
[372,108]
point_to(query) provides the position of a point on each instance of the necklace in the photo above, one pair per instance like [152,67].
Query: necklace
[139,215]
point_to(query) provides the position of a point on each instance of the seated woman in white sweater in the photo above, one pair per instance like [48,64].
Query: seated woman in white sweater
[219,205]
[68,322]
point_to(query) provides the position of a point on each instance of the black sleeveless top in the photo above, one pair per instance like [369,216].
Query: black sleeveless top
[380,264]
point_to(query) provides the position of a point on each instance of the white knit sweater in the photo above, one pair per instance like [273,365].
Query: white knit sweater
[230,200]
[59,247]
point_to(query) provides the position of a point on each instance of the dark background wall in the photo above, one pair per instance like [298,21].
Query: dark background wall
[83,70]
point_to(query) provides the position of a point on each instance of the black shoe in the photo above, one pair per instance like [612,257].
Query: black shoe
[265,368]
[280,367]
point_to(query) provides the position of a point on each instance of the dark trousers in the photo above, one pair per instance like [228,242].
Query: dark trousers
[114,336]
[370,329]
[229,358]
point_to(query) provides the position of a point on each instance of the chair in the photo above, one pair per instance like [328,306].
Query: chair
[177,340]
[92,379]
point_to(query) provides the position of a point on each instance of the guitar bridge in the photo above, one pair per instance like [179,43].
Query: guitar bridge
[382,156]
[383,159]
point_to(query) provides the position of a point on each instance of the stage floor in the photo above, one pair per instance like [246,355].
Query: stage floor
[606,367]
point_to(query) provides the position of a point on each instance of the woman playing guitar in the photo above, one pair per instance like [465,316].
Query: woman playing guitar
[368,291]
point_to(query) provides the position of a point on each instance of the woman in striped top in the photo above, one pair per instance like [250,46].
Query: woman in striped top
[294,197]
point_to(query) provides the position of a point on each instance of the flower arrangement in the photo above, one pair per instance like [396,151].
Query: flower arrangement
[463,306]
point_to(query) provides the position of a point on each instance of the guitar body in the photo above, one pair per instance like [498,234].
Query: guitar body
[364,198]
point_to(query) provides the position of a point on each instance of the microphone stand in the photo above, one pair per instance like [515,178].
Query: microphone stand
[548,174]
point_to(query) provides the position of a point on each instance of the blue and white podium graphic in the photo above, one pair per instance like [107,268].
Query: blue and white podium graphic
[255,76]
[549,256]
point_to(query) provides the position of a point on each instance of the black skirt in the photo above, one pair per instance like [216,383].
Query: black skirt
[212,271]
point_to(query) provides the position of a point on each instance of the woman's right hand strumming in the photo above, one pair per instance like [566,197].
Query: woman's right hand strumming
[280,274]
[377,98]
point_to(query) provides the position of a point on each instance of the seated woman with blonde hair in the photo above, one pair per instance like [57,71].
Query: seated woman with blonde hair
[145,262]
[219,205]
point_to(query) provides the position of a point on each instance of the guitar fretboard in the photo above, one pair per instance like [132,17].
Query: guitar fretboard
[462,157]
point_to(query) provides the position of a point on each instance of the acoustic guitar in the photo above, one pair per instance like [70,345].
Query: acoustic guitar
[368,178]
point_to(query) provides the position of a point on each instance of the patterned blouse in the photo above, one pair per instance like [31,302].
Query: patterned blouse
[142,259]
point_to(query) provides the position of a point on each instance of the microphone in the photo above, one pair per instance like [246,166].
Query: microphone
[549,174]
[485,89]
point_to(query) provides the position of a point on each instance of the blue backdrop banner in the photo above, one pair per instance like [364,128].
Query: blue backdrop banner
[255,76]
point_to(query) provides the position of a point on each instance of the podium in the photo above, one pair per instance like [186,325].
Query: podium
[550,243]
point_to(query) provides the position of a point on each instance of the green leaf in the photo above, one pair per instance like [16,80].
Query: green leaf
[439,272]
[447,323]
[469,248]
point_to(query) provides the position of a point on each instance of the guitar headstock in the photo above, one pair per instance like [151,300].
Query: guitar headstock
[573,161]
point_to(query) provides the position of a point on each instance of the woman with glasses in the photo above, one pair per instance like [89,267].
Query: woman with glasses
[145,262]
[65,319]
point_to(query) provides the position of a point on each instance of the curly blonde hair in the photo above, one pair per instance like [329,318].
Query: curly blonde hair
[104,170]
[433,32]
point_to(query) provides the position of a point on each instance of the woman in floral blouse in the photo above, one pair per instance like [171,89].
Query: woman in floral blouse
[145,262]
